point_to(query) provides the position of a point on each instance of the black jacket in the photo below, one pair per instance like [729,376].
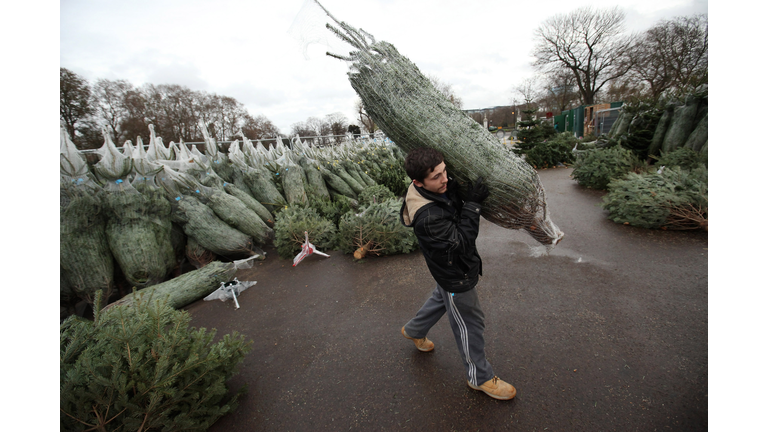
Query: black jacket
[446,229]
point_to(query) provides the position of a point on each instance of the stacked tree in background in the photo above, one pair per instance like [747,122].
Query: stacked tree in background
[136,217]
[653,163]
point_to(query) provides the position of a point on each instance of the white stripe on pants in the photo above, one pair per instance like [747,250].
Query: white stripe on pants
[467,322]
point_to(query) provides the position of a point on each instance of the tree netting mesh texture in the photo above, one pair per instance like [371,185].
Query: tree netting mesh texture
[413,113]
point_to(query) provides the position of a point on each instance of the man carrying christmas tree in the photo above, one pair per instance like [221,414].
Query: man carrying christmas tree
[446,228]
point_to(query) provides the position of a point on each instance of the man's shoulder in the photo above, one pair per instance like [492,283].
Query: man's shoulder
[433,212]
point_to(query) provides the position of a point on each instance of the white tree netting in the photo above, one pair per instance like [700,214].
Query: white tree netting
[413,113]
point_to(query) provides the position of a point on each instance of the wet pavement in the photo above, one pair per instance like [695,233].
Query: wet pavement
[606,333]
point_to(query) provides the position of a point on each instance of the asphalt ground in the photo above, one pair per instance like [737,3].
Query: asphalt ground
[607,332]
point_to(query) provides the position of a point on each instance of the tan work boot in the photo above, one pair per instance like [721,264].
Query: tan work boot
[422,344]
[496,389]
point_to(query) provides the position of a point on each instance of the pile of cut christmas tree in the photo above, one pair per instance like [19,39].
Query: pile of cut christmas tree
[139,212]
[653,163]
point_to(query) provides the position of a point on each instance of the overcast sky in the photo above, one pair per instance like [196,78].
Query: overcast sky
[243,48]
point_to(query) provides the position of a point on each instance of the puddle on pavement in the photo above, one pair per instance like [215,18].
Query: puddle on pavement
[521,249]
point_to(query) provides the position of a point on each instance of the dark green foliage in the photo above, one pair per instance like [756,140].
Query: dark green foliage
[290,224]
[354,130]
[646,200]
[178,240]
[550,153]
[332,208]
[532,132]
[395,179]
[384,165]
[378,193]
[597,167]
[378,227]
[684,158]
[142,367]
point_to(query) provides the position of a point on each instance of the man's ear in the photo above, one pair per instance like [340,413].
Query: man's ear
[418,183]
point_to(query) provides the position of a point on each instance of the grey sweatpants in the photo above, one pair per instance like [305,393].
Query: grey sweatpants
[467,323]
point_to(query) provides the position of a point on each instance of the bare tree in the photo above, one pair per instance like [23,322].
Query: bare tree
[528,90]
[589,43]
[259,127]
[169,107]
[110,106]
[74,100]
[672,55]
[559,91]
[363,119]
[302,129]
[338,125]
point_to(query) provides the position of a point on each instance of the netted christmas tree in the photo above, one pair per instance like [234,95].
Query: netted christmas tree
[413,113]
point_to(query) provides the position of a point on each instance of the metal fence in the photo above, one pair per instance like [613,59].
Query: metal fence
[313,141]
[604,119]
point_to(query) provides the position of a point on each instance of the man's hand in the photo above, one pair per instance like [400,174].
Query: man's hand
[478,192]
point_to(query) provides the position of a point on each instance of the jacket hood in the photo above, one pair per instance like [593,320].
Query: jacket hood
[413,202]
[415,199]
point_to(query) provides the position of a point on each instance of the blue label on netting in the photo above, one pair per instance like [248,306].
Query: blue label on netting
[118,181]
[197,190]
[178,198]
[225,183]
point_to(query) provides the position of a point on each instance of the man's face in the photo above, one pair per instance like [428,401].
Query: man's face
[436,181]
